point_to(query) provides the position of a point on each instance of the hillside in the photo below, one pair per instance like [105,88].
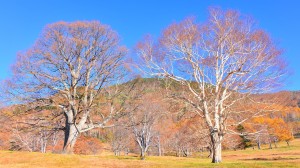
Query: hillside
[178,130]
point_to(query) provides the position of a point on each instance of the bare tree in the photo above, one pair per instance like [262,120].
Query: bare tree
[142,123]
[69,67]
[220,63]
[33,130]
[188,136]
[144,114]
[158,144]
[120,140]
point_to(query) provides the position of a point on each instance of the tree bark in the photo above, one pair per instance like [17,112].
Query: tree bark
[143,154]
[258,143]
[185,152]
[159,150]
[216,147]
[43,145]
[159,147]
[210,148]
[71,135]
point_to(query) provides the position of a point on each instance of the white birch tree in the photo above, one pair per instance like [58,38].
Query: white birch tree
[220,63]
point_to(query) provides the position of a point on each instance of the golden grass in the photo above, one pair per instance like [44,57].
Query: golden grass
[282,156]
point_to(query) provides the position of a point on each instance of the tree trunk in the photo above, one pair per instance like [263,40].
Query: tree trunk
[216,147]
[185,152]
[71,135]
[117,153]
[275,144]
[159,147]
[143,154]
[210,148]
[178,152]
[159,151]
[288,143]
[43,145]
[258,143]
[126,151]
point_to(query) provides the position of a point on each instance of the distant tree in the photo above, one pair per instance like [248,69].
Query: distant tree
[34,133]
[70,68]
[142,122]
[220,63]
[188,136]
[256,133]
[246,142]
[144,115]
[277,129]
[120,140]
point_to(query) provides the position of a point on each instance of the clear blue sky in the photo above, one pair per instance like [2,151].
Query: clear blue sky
[22,21]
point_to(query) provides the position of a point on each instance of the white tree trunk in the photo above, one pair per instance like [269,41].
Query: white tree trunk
[216,147]
[143,154]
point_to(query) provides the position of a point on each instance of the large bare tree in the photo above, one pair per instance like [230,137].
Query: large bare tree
[70,68]
[220,63]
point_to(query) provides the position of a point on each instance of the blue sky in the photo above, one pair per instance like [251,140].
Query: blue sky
[22,21]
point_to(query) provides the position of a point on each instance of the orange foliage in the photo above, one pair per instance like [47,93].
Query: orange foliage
[276,127]
[87,145]
[4,140]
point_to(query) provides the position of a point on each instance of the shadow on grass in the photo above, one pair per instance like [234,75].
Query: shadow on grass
[273,158]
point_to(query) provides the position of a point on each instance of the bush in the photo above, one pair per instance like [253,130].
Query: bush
[87,146]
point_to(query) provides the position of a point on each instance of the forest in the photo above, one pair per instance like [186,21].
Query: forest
[200,87]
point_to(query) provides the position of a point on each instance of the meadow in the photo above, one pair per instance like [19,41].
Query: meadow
[283,156]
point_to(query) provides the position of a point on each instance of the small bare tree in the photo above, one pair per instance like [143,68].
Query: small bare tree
[120,140]
[70,68]
[144,114]
[35,129]
[142,123]
[220,63]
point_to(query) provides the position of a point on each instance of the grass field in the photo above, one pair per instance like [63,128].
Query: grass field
[283,156]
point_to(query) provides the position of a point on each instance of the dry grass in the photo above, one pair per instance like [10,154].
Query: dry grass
[281,157]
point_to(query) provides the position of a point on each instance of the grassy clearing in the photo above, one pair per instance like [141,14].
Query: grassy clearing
[282,156]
